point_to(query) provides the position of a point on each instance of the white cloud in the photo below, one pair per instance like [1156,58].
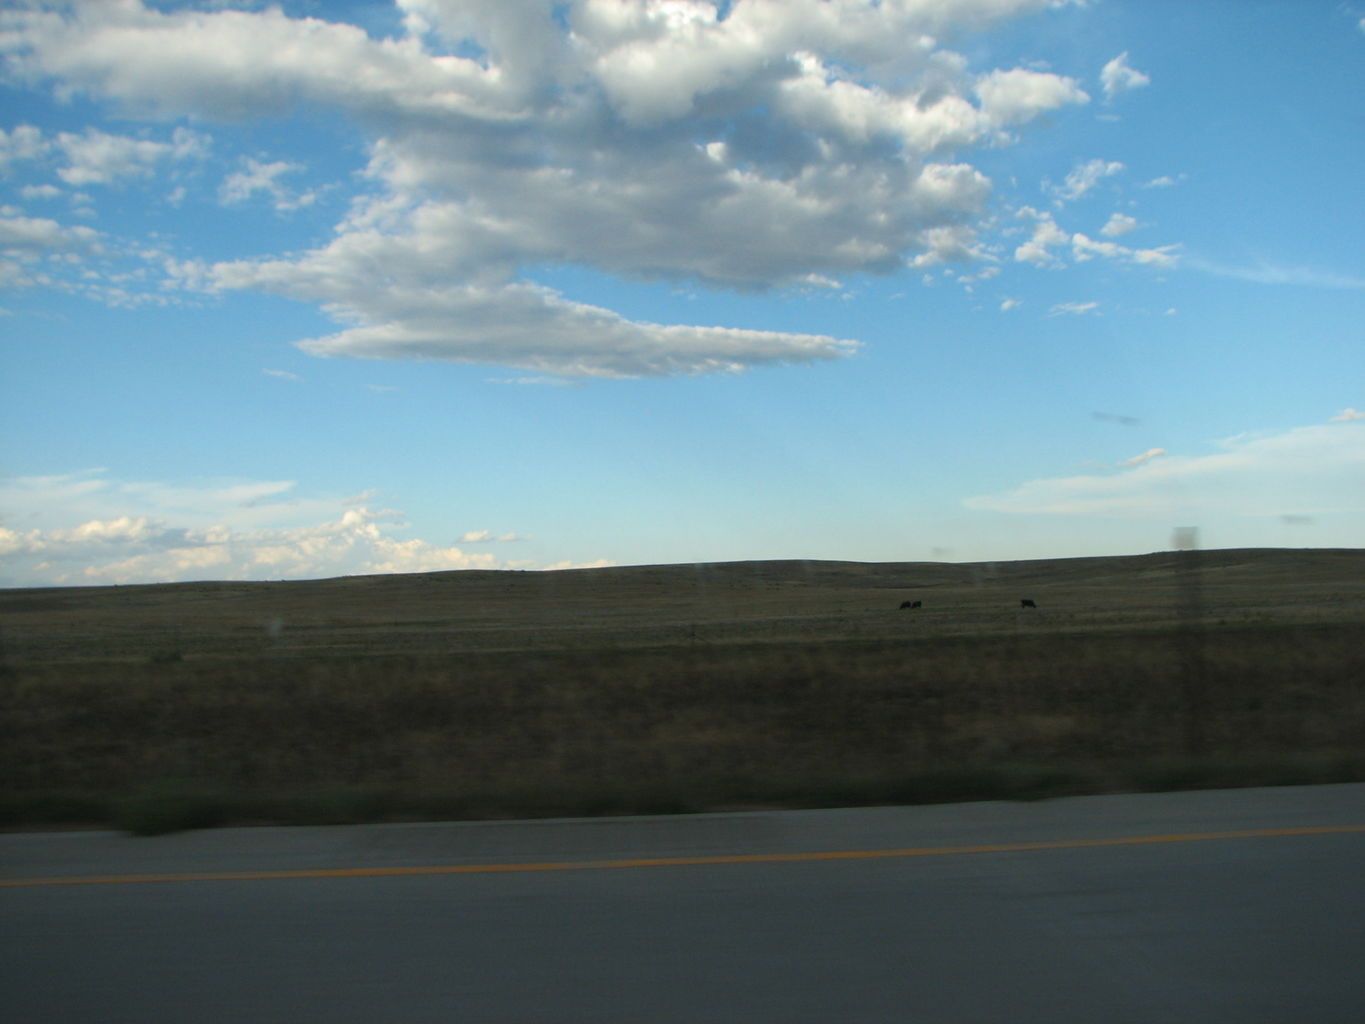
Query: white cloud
[1119,224]
[1009,304]
[1147,456]
[40,191]
[261,176]
[488,537]
[241,531]
[785,140]
[282,374]
[1046,234]
[91,495]
[1348,416]
[28,244]
[1162,256]
[1118,77]
[1270,273]
[23,142]
[130,550]
[1307,471]
[1012,97]
[39,234]
[1084,248]
[1165,181]
[516,324]
[1085,177]
[1073,308]
[97,158]
[552,382]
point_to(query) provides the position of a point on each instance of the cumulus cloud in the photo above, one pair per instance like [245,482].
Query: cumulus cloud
[1084,248]
[1016,96]
[25,235]
[23,142]
[1046,234]
[1119,224]
[1348,416]
[40,191]
[237,531]
[127,550]
[1307,471]
[747,146]
[25,242]
[1162,256]
[98,158]
[1117,77]
[1041,249]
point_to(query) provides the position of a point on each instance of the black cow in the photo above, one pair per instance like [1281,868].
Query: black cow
[1026,603]
[911,604]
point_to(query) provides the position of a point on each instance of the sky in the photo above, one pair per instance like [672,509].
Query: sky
[310,289]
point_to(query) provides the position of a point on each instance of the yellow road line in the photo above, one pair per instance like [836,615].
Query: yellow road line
[664,862]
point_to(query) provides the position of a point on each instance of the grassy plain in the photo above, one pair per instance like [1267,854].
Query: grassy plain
[673,688]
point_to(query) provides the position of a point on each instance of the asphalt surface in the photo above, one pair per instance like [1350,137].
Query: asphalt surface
[1241,906]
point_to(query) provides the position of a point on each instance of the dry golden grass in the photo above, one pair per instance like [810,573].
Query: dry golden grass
[664,688]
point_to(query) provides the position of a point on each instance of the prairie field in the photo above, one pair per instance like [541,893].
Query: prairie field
[656,689]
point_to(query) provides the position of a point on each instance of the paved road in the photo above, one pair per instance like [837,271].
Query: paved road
[1238,906]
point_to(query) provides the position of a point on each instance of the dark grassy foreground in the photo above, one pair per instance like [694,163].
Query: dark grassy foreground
[665,689]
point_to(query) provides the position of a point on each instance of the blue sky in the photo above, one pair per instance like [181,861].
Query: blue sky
[311,289]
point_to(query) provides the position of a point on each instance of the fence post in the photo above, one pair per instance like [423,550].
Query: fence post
[1190,640]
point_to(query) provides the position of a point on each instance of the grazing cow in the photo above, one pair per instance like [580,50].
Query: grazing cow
[911,604]
[1026,603]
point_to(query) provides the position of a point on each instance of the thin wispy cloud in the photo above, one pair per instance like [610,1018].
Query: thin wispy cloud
[1275,274]
[489,537]
[552,382]
[1084,177]
[1305,471]
[1111,417]
[1073,308]
[1147,456]
[263,177]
